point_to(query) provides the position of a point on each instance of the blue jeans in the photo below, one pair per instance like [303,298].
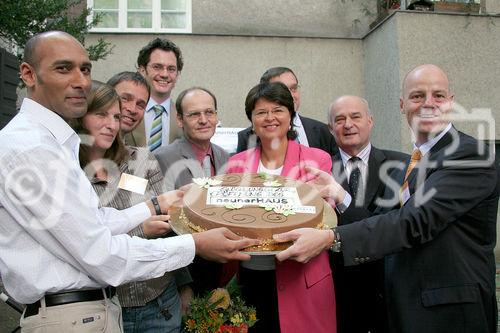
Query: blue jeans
[150,318]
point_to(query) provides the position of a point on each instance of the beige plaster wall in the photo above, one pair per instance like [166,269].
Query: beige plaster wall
[304,18]
[465,47]
[231,65]
[381,78]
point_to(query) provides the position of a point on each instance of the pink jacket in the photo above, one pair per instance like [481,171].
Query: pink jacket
[306,297]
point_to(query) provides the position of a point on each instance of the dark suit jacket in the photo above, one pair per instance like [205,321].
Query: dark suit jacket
[359,289]
[440,266]
[318,136]
[179,165]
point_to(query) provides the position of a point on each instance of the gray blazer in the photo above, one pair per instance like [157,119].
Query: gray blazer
[179,164]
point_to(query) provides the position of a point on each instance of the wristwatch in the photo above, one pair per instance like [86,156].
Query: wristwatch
[336,246]
[156,205]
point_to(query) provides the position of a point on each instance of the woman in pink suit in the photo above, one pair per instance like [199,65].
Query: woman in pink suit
[289,296]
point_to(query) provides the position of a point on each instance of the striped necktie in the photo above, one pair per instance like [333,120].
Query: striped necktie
[155,135]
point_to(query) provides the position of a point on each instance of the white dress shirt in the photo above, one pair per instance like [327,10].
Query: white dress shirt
[427,146]
[149,116]
[301,133]
[53,236]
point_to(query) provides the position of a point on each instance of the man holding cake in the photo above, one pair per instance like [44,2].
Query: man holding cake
[438,235]
[357,167]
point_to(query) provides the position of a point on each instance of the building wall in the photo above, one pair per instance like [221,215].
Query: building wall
[231,65]
[298,18]
[381,78]
[465,47]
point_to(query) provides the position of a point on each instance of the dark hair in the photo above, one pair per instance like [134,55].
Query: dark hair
[102,96]
[162,44]
[178,101]
[275,92]
[274,72]
[126,76]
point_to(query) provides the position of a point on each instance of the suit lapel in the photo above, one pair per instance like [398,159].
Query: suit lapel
[310,130]
[433,155]
[219,160]
[192,164]
[292,159]
[376,159]
[174,131]
[339,171]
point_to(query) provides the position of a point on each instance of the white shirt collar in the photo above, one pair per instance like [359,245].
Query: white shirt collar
[54,123]
[165,104]
[296,121]
[364,154]
[427,146]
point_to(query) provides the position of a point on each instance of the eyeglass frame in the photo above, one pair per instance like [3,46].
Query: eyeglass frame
[160,68]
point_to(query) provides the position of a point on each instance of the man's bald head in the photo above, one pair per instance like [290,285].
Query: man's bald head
[426,101]
[30,50]
[425,69]
[350,123]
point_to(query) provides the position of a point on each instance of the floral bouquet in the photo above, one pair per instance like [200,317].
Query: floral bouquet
[220,311]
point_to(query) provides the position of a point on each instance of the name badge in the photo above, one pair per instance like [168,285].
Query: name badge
[404,194]
[133,183]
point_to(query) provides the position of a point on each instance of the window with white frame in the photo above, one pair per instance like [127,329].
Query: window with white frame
[142,15]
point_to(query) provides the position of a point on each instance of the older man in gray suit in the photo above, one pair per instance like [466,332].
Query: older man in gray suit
[194,156]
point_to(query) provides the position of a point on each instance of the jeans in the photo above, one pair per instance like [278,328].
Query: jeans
[162,314]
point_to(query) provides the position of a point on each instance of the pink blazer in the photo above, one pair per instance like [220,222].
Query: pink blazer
[306,297]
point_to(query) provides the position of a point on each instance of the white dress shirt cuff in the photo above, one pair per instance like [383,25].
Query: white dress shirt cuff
[342,207]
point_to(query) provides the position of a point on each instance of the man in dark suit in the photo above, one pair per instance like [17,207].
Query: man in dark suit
[311,133]
[358,289]
[193,156]
[438,230]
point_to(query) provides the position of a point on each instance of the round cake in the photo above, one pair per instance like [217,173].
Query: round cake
[252,205]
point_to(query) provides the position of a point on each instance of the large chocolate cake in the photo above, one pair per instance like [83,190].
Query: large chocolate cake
[252,205]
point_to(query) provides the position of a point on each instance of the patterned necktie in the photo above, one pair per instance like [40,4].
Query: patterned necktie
[404,193]
[207,166]
[416,156]
[155,136]
[355,181]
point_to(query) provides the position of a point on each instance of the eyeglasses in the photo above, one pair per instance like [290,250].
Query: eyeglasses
[261,114]
[159,68]
[209,114]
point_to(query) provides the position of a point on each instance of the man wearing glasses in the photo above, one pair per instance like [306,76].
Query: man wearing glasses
[160,62]
[195,156]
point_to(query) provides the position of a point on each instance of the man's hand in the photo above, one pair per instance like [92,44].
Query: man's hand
[156,226]
[222,245]
[326,185]
[186,295]
[307,243]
